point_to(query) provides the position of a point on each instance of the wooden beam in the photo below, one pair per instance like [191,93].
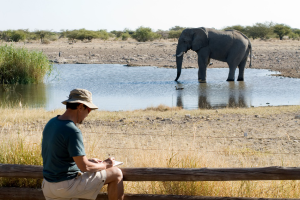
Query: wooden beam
[11,193]
[174,174]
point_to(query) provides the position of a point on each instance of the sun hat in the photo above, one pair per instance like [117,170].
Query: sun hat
[81,96]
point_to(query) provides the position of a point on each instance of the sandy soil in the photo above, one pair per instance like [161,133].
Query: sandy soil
[276,55]
[250,137]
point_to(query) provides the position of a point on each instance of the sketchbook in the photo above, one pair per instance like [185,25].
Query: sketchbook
[118,163]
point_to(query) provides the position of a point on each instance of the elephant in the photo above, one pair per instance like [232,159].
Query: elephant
[229,46]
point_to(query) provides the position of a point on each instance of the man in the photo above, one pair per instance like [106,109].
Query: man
[68,174]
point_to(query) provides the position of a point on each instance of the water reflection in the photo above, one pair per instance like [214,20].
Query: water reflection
[116,87]
[210,96]
[32,95]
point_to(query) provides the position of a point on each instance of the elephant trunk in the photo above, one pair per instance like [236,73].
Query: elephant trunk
[179,59]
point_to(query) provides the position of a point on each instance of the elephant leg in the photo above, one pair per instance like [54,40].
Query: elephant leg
[231,74]
[241,70]
[203,60]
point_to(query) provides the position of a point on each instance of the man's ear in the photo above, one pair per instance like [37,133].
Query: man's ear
[80,106]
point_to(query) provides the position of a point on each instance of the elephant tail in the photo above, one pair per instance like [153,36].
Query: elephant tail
[250,47]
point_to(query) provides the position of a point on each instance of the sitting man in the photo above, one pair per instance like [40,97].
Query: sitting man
[68,174]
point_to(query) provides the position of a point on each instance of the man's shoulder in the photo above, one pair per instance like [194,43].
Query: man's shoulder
[66,125]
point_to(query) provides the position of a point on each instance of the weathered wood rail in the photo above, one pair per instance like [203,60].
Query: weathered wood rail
[154,174]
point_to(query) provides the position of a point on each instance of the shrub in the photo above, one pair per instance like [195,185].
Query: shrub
[125,36]
[282,30]
[103,35]
[163,34]
[175,34]
[18,65]
[117,33]
[143,34]
[42,34]
[259,30]
[236,27]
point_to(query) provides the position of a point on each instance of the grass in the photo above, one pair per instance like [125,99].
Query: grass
[145,138]
[18,65]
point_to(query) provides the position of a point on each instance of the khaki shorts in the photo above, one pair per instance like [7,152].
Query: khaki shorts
[85,186]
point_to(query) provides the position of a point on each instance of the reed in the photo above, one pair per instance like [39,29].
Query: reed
[142,138]
[18,65]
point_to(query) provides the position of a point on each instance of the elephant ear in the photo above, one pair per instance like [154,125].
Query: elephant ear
[200,39]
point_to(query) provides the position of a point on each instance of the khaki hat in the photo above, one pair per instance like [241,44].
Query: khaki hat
[81,96]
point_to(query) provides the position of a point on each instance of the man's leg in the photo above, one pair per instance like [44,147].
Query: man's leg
[114,179]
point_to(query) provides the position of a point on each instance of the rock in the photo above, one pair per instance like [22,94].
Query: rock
[297,117]
[188,116]
[257,116]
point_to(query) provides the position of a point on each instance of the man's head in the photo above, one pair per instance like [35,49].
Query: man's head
[80,101]
[81,96]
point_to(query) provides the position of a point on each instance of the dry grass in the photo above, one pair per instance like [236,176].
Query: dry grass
[169,137]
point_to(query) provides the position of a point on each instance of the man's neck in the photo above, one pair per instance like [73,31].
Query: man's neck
[69,115]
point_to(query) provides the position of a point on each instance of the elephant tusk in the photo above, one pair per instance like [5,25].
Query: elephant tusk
[180,54]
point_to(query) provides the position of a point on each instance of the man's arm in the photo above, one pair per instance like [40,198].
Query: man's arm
[87,166]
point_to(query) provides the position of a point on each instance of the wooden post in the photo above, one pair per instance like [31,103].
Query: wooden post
[174,174]
[12,193]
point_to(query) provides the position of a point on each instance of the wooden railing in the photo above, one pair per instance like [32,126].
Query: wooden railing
[153,174]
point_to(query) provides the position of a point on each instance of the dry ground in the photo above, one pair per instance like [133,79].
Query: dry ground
[250,137]
[276,55]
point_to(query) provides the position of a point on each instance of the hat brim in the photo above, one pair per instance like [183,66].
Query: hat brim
[88,104]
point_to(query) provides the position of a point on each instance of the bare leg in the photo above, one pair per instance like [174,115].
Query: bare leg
[114,179]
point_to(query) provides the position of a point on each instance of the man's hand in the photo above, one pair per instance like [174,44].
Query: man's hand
[109,162]
[95,160]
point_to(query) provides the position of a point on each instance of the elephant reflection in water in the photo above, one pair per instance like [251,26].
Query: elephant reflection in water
[236,97]
[241,103]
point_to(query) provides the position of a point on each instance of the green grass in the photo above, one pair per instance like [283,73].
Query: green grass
[18,65]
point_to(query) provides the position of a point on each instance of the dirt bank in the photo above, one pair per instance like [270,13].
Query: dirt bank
[276,55]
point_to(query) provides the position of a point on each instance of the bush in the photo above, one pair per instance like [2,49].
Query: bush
[42,34]
[103,35]
[282,30]
[163,34]
[259,30]
[21,66]
[236,27]
[117,33]
[125,36]
[13,35]
[144,34]
[175,34]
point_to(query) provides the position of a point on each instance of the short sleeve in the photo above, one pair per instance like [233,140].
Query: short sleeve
[75,144]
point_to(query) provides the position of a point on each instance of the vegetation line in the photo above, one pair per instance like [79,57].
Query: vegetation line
[264,30]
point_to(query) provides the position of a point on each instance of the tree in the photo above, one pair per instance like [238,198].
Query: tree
[71,35]
[83,34]
[177,28]
[143,34]
[281,30]
[117,33]
[175,34]
[126,30]
[103,34]
[42,34]
[296,31]
[259,30]
[163,34]
[125,36]
[236,27]
[18,35]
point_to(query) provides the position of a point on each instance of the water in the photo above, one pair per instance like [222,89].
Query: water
[116,87]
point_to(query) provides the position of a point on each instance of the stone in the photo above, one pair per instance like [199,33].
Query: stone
[187,116]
